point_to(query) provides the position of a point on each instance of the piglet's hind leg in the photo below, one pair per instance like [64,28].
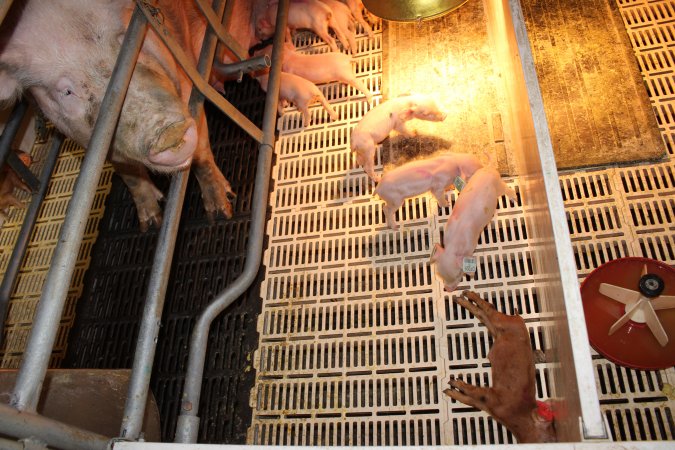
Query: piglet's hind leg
[468,394]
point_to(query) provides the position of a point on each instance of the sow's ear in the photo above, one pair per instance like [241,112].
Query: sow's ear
[436,253]
[10,89]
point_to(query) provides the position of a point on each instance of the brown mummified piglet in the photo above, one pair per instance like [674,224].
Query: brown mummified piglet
[9,181]
[512,398]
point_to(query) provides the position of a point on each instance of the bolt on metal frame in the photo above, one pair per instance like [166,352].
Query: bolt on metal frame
[20,418]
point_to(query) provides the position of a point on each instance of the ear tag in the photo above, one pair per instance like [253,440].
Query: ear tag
[459,183]
[469,264]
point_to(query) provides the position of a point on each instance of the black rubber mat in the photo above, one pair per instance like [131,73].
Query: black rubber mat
[207,258]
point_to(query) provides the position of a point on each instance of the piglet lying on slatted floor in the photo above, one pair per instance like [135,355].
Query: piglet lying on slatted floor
[511,399]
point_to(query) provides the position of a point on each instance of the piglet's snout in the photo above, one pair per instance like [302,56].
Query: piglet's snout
[175,145]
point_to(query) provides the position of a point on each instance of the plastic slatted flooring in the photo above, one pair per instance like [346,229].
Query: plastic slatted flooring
[357,338]
[33,272]
[208,257]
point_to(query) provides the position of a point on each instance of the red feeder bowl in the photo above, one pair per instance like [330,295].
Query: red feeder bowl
[629,304]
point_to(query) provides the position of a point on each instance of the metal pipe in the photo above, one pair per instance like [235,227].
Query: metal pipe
[21,424]
[188,422]
[215,24]
[4,7]
[15,163]
[11,128]
[239,68]
[45,326]
[137,394]
[19,251]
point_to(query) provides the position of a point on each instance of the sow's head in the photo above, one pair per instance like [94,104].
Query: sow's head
[62,52]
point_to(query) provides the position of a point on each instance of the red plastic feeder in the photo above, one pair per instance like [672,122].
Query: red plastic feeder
[629,304]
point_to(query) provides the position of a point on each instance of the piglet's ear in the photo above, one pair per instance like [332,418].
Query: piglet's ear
[406,114]
[436,253]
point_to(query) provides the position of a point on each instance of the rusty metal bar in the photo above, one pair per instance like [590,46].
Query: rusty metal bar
[219,30]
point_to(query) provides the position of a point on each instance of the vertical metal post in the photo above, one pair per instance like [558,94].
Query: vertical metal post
[19,251]
[11,128]
[139,383]
[188,422]
[45,326]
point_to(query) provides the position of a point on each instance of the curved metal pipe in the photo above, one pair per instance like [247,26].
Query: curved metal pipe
[188,422]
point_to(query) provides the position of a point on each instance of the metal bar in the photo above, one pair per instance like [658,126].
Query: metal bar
[250,65]
[198,81]
[137,394]
[227,14]
[22,171]
[19,251]
[188,422]
[21,424]
[45,325]
[591,415]
[4,7]
[219,30]
[11,128]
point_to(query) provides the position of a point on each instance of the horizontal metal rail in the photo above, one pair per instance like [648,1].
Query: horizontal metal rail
[187,427]
[19,251]
[21,424]
[199,82]
[35,360]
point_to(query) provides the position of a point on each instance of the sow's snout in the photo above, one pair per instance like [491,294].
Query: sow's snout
[174,146]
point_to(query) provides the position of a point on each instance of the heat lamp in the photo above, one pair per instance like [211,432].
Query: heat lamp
[629,304]
[411,10]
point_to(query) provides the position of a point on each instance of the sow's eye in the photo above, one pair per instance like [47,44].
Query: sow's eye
[68,98]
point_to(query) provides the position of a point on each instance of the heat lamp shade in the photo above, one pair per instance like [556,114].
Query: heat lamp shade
[411,10]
